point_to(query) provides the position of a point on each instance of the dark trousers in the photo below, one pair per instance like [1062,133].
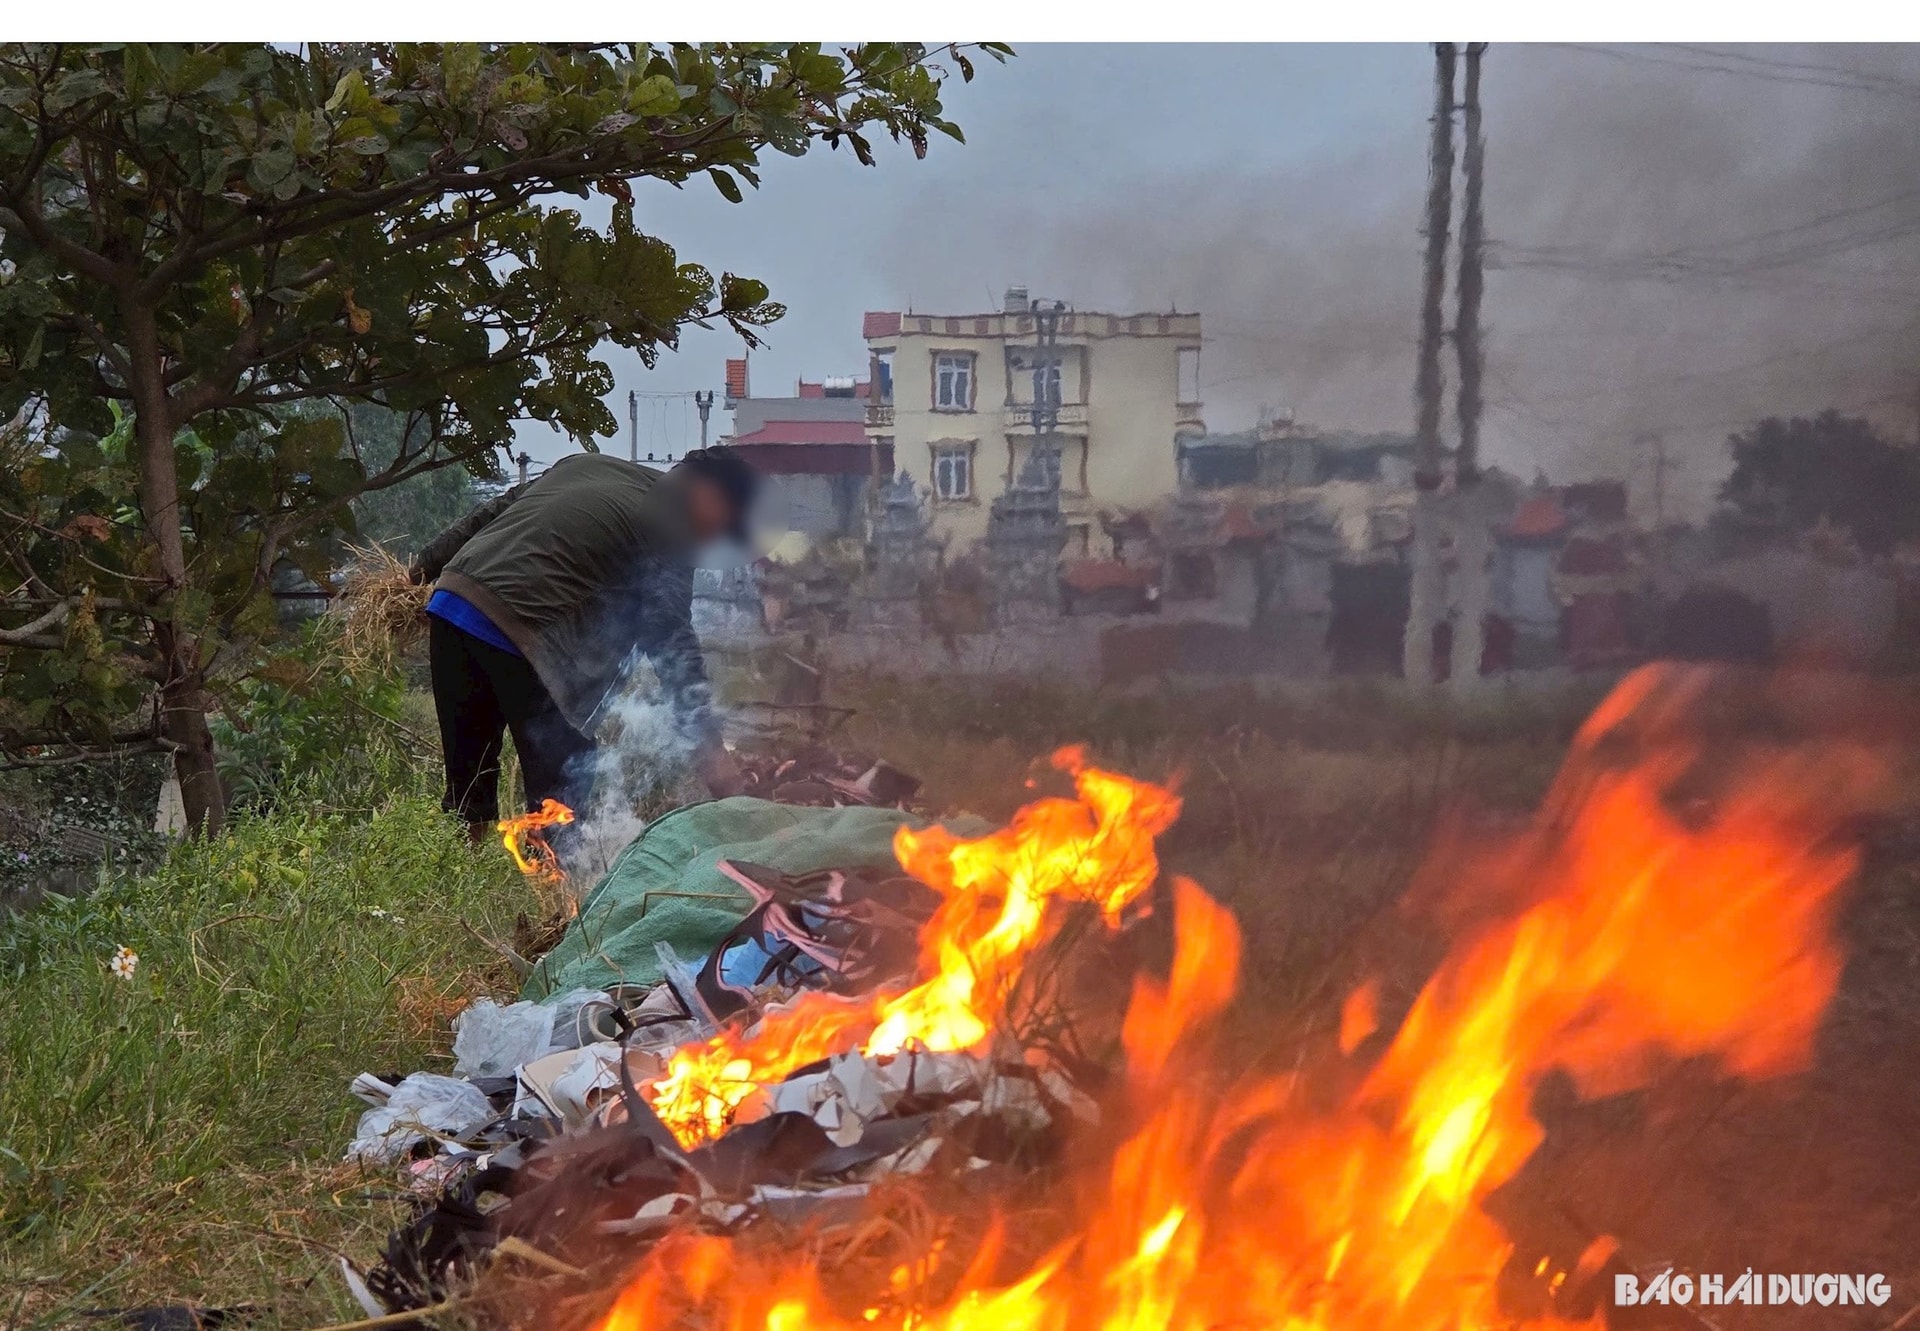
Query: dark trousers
[480,693]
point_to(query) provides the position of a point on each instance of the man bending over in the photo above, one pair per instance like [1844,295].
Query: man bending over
[543,596]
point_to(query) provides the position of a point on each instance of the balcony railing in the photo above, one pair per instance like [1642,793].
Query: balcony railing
[1062,416]
[880,416]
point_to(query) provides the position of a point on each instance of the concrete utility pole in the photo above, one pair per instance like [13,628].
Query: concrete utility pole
[703,403]
[523,460]
[1046,372]
[1426,587]
[1466,333]
[633,425]
[1472,541]
[1656,445]
[1661,464]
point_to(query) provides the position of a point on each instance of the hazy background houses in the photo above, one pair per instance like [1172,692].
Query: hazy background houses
[1684,240]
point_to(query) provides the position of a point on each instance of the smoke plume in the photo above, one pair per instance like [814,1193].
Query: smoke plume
[1684,240]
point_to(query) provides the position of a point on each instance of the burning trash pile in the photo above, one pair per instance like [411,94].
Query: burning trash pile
[849,1115]
[851,1025]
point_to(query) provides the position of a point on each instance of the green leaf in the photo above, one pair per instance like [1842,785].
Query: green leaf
[726,184]
[460,68]
[73,88]
[738,294]
[349,93]
[409,159]
[654,95]
[822,71]
[270,167]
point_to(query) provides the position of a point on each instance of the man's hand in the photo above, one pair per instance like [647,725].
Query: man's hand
[719,770]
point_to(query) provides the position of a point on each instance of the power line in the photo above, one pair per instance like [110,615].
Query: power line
[1707,249]
[1851,83]
[1752,280]
[1891,81]
[1744,367]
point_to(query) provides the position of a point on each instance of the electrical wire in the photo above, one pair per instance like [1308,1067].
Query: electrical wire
[1850,82]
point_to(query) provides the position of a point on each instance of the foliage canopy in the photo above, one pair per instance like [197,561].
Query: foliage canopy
[210,254]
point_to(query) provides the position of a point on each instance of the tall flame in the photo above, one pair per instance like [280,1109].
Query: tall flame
[1639,935]
[995,892]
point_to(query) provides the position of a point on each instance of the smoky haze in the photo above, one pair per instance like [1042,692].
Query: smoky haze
[1684,239]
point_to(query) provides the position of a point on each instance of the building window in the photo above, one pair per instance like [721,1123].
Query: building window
[953,381]
[953,471]
[1189,374]
[883,377]
[1046,375]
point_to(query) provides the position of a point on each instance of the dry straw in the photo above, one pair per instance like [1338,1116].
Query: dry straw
[380,610]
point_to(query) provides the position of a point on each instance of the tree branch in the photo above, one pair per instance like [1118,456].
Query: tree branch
[21,219]
[98,336]
[29,631]
[122,749]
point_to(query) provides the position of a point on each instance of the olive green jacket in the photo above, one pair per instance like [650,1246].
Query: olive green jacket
[582,568]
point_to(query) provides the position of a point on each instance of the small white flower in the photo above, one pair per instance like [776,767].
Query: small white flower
[123,962]
[376,912]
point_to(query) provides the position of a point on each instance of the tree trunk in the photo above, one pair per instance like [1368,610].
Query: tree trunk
[184,700]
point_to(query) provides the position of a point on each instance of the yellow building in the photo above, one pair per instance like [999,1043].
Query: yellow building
[1101,400]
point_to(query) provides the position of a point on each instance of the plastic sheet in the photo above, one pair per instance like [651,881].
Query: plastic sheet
[423,1105]
[491,1040]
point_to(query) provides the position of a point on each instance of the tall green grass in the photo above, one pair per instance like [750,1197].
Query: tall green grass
[178,1134]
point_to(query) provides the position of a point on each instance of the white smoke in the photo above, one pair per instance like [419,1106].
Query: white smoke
[643,763]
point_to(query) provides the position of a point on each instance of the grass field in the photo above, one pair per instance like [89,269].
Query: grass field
[177,1135]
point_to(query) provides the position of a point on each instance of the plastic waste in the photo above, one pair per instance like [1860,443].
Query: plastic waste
[491,1040]
[423,1105]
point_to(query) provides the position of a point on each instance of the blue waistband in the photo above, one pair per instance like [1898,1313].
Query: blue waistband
[465,616]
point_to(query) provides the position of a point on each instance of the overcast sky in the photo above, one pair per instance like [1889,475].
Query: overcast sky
[1732,232]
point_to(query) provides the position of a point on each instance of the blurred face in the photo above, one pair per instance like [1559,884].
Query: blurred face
[709,509]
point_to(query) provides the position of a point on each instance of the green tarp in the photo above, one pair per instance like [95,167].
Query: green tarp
[665,886]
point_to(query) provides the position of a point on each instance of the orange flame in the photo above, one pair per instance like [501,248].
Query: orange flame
[1640,935]
[522,836]
[995,891]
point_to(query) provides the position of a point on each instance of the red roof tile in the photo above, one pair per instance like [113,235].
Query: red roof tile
[1539,516]
[1093,575]
[880,323]
[806,432]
